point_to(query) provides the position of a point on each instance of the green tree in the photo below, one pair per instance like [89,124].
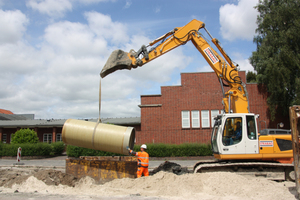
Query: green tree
[24,136]
[251,77]
[277,57]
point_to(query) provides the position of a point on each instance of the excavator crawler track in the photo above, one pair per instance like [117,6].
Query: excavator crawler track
[270,170]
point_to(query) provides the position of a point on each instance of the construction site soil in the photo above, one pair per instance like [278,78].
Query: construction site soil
[168,181]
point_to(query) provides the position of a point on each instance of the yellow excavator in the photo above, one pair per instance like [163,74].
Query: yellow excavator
[236,143]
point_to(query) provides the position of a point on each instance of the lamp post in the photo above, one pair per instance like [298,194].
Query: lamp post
[280,125]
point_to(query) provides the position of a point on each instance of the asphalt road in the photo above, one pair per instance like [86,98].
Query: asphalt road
[60,162]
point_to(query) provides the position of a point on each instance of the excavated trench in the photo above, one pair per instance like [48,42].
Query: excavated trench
[170,167]
[9,176]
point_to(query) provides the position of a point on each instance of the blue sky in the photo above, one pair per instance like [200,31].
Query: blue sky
[52,51]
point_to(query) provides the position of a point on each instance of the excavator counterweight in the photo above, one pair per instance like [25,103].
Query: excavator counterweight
[118,59]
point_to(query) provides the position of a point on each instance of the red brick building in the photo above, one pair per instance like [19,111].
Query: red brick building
[180,114]
[183,114]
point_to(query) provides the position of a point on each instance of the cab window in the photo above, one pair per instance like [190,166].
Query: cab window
[214,139]
[251,128]
[232,131]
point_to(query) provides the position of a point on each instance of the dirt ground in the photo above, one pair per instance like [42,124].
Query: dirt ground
[168,181]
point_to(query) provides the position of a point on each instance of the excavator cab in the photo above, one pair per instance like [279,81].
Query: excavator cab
[231,138]
[232,131]
[249,145]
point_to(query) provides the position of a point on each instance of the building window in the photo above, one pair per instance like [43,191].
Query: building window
[205,118]
[195,119]
[185,118]
[58,137]
[4,138]
[214,113]
[47,137]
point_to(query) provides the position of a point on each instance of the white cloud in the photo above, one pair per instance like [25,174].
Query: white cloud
[245,65]
[205,68]
[128,4]
[58,8]
[103,26]
[87,2]
[121,108]
[19,59]
[238,21]
[74,38]
[60,79]
[161,69]
[52,8]
[13,26]
[157,9]
[59,76]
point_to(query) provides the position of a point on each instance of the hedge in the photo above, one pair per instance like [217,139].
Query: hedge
[57,148]
[74,151]
[181,150]
[38,149]
[154,150]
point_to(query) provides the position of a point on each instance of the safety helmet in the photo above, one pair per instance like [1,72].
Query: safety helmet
[144,146]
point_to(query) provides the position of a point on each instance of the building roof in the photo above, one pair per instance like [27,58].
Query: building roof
[2,111]
[11,117]
[123,121]
[60,122]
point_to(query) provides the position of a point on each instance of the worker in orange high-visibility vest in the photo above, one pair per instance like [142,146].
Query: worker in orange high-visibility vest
[142,160]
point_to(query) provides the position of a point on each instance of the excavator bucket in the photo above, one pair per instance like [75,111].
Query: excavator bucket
[118,59]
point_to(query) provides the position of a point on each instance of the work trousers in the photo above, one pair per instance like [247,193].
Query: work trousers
[142,170]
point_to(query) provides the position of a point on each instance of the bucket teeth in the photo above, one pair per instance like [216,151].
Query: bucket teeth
[118,59]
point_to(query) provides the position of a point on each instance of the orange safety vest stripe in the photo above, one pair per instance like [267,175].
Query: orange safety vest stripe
[143,158]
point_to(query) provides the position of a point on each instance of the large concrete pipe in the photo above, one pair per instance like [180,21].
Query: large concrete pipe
[104,137]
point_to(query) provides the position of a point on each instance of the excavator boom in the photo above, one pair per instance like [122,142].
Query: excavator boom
[235,100]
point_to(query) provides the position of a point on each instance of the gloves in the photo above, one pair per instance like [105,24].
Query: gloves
[128,148]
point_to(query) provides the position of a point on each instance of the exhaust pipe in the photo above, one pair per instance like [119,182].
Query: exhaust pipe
[118,59]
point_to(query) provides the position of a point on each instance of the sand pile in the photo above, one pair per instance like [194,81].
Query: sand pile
[162,185]
[9,177]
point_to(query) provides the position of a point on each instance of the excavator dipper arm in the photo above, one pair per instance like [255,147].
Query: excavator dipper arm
[235,99]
